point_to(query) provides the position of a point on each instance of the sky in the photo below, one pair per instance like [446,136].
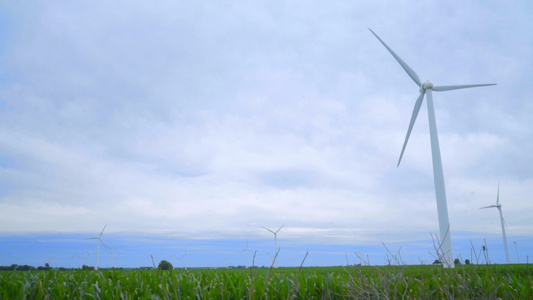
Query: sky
[185,128]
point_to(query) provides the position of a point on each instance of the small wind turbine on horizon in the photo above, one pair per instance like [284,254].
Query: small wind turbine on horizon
[183,262]
[88,258]
[504,224]
[426,89]
[247,250]
[516,248]
[275,264]
[111,257]
[77,256]
[99,238]
[175,256]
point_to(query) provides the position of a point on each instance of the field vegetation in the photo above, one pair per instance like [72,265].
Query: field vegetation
[361,282]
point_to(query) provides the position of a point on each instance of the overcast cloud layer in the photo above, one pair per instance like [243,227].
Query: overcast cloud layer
[208,121]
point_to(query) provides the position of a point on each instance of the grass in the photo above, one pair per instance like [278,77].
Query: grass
[361,282]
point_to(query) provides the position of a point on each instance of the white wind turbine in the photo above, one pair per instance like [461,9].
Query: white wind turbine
[76,256]
[516,248]
[175,256]
[99,238]
[247,250]
[183,262]
[438,175]
[499,207]
[275,264]
[111,257]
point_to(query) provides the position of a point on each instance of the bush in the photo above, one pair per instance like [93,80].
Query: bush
[165,265]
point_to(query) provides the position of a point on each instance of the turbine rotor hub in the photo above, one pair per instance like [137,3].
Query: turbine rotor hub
[426,86]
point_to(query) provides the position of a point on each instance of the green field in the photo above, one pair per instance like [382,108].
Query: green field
[386,282]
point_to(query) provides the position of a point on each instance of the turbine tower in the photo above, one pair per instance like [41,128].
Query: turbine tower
[426,89]
[99,238]
[499,207]
[275,244]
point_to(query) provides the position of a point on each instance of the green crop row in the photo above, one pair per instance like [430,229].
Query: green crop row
[391,282]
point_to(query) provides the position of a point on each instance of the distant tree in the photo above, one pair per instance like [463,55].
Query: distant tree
[467,261]
[437,262]
[456,262]
[165,265]
[25,268]
[84,267]
[46,267]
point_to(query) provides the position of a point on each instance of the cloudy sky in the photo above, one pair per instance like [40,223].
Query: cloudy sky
[184,122]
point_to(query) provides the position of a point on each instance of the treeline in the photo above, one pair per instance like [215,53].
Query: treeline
[15,267]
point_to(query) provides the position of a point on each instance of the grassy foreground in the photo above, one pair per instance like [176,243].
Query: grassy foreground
[388,282]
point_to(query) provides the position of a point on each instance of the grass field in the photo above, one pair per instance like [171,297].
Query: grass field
[363,282]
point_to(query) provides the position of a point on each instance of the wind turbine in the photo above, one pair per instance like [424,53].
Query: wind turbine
[111,257]
[275,244]
[88,258]
[499,207]
[247,250]
[174,255]
[517,257]
[76,256]
[438,175]
[99,238]
[183,262]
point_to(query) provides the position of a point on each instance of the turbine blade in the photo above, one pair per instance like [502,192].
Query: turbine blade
[498,197]
[407,69]
[443,88]
[103,230]
[103,243]
[280,228]
[488,206]
[268,229]
[416,109]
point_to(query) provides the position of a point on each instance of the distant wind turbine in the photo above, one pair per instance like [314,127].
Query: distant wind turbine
[275,264]
[76,256]
[99,238]
[247,250]
[499,207]
[426,89]
[88,258]
[174,255]
[183,262]
[517,257]
[111,257]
